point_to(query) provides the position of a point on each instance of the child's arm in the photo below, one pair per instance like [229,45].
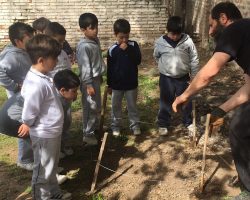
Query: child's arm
[194,60]
[23,130]
[134,52]
[156,53]
[84,55]
[5,80]
[33,99]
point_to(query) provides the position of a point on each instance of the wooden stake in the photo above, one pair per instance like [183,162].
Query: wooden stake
[194,124]
[98,162]
[104,105]
[204,152]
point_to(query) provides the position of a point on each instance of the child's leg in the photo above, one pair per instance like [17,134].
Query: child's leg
[25,152]
[131,98]
[181,86]
[167,95]
[91,107]
[66,125]
[46,158]
[116,112]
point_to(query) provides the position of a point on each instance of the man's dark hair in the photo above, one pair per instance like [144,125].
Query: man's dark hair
[121,26]
[175,25]
[54,28]
[66,79]
[88,19]
[42,46]
[40,24]
[229,8]
[18,31]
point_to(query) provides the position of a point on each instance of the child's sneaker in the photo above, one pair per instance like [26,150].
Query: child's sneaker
[68,151]
[116,133]
[63,195]
[137,131]
[90,140]
[163,131]
[191,130]
[26,166]
[61,178]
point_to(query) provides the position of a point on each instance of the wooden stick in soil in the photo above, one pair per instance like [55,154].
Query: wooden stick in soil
[194,139]
[104,105]
[98,162]
[204,152]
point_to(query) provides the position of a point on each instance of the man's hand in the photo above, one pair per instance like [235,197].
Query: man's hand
[90,91]
[217,119]
[179,102]
[23,130]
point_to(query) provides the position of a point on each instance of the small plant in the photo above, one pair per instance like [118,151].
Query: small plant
[98,196]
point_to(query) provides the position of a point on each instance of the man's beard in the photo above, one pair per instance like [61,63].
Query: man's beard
[218,33]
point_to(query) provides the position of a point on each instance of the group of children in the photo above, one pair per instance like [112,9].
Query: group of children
[40,85]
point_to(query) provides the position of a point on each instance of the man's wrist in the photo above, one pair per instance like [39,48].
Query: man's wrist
[218,112]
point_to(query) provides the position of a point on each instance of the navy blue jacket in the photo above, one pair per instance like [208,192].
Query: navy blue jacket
[122,72]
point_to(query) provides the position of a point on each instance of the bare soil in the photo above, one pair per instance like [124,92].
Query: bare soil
[149,166]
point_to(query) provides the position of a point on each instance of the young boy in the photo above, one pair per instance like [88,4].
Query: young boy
[91,67]
[58,32]
[14,60]
[177,59]
[43,114]
[122,76]
[14,65]
[40,25]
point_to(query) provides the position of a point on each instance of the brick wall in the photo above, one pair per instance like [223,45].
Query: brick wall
[147,17]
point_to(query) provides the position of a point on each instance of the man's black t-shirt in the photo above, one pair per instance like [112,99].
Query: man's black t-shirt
[235,41]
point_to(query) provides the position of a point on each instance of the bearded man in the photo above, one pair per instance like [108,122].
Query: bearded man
[232,34]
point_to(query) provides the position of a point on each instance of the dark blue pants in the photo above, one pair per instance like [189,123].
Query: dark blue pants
[169,89]
[240,143]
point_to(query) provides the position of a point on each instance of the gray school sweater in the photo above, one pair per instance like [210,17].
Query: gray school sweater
[89,59]
[179,61]
[14,65]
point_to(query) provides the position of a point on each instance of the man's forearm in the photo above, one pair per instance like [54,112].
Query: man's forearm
[240,97]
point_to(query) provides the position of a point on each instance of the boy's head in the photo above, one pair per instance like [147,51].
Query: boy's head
[20,33]
[121,30]
[88,23]
[40,24]
[67,83]
[174,28]
[43,51]
[56,31]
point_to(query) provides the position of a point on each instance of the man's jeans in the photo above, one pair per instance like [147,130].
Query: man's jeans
[170,88]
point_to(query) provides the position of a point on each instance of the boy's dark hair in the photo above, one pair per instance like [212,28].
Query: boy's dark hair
[18,31]
[88,19]
[229,8]
[66,79]
[54,28]
[40,24]
[121,26]
[42,46]
[175,25]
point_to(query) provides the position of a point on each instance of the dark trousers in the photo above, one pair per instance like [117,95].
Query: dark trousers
[169,89]
[240,143]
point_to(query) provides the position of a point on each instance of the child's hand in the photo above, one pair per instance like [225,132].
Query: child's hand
[23,131]
[90,91]
[123,46]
